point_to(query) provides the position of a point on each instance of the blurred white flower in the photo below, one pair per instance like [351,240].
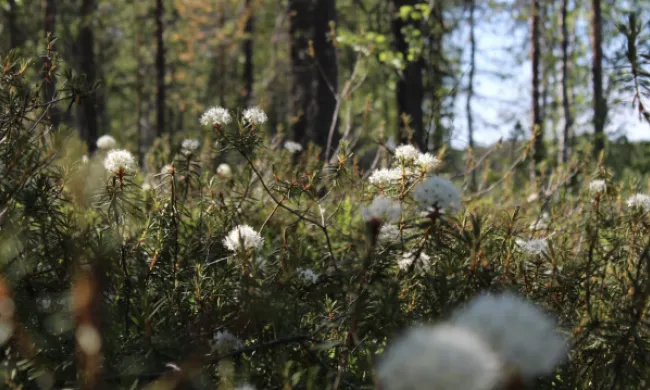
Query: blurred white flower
[255,115]
[216,116]
[382,210]
[422,263]
[520,333]
[89,339]
[307,275]
[437,193]
[388,233]
[385,177]
[390,143]
[293,147]
[532,197]
[245,387]
[639,201]
[540,223]
[428,162]
[84,159]
[242,238]
[146,187]
[406,153]
[189,146]
[441,357]
[224,342]
[106,142]
[120,160]
[168,169]
[224,171]
[597,186]
[535,246]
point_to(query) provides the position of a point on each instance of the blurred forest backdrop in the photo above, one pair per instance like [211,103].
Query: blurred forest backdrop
[357,67]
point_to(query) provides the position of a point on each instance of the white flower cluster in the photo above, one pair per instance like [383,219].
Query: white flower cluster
[216,116]
[388,234]
[597,186]
[120,161]
[307,275]
[536,246]
[224,171]
[382,210]
[243,238]
[492,342]
[255,115]
[106,142]
[167,169]
[408,155]
[422,262]
[639,201]
[385,177]
[293,147]
[437,193]
[189,146]
[224,342]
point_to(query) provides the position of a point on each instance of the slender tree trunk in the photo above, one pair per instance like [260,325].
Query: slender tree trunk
[144,140]
[247,96]
[410,91]
[160,68]
[599,104]
[470,86]
[86,45]
[566,104]
[536,116]
[49,79]
[12,25]
[315,74]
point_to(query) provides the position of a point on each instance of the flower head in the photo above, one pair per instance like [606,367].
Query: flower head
[189,146]
[307,275]
[437,193]
[106,142]
[428,162]
[382,209]
[255,115]
[243,238]
[406,153]
[532,197]
[84,159]
[224,170]
[597,186]
[442,357]
[388,234]
[524,337]
[540,223]
[385,177]
[167,169]
[216,116]
[293,147]
[535,246]
[117,161]
[639,201]
[422,262]
[224,342]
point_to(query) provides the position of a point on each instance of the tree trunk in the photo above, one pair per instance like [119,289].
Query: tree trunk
[536,117]
[410,91]
[12,26]
[144,140]
[315,74]
[247,96]
[470,86]
[599,104]
[566,104]
[160,69]
[49,79]
[86,45]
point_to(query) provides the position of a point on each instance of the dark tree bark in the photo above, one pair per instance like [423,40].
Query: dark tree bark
[49,79]
[12,24]
[315,74]
[86,43]
[160,68]
[410,91]
[566,104]
[536,116]
[247,96]
[470,86]
[599,103]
